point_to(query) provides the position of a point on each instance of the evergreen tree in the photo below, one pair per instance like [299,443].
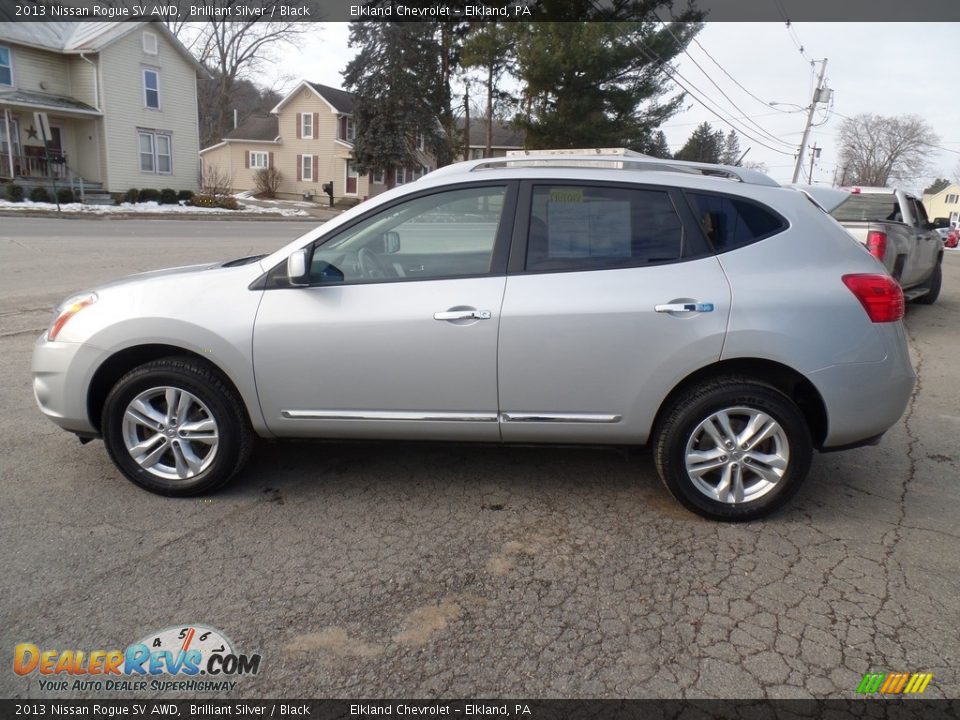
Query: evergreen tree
[731,149]
[597,84]
[704,145]
[397,76]
[487,48]
[657,147]
[936,186]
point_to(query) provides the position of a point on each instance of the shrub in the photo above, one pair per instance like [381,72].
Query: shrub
[185,195]
[267,182]
[168,196]
[228,202]
[131,196]
[203,201]
[14,192]
[65,195]
[149,195]
[40,194]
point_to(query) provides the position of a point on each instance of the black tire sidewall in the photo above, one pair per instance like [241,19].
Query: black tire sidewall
[145,378]
[694,409]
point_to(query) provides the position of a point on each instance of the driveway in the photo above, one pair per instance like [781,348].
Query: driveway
[398,570]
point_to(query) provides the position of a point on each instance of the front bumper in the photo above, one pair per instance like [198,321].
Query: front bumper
[61,375]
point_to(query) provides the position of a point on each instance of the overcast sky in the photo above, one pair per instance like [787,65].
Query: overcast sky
[884,68]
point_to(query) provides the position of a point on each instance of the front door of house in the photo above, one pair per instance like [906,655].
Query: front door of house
[351,178]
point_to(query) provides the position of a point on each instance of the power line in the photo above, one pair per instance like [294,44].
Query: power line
[737,82]
[688,124]
[757,125]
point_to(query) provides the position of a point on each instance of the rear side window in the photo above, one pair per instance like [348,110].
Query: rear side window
[731,223]
[873,207]
[576,227]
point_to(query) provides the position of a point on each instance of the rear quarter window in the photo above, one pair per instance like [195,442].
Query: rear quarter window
[730,223]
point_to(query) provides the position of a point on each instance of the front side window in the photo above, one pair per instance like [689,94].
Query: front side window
[151,88]
[594,228]
[307,167]
[448,234]
[730,222]
[258,160]
[306,127]
[6,66]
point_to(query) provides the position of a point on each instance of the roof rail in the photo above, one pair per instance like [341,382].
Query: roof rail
[641,163]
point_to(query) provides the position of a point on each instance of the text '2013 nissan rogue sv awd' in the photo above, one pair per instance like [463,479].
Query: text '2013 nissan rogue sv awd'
[726,322]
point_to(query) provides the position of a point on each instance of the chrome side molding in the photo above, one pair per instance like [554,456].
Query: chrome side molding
[439,416]
[560,417]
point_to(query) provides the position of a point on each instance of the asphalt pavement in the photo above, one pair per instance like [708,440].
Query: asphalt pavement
[397,570]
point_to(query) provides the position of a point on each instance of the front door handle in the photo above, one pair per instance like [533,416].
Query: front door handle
[463,315]
[683,307]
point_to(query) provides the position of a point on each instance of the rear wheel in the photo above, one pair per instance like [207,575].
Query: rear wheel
[175,427]
[934,283]
[733,449]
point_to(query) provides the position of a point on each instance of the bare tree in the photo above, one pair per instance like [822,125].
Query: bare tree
[267,182]
[875,149]
[234,51]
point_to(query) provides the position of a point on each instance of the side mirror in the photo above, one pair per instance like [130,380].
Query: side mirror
[297,268]
[391,242]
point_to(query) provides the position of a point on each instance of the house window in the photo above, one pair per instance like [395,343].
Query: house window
[258,159]
[150,43]
[378,178]
[951,199]
[6,66]
[306,126]
[401,176]
[351,130]
[156,152]
[306,165]
[476,154]
[421,141]
[151,88]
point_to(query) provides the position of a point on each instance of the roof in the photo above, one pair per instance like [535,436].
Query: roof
[79,37]
[951,188]
[340,99]
[503,135]
[255,127]
[46,101]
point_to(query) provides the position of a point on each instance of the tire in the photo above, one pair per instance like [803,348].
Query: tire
[934,283]
[684,434]
[182,457]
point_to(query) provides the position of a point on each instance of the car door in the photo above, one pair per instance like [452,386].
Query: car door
[396,334]
[610,300]
[926,246]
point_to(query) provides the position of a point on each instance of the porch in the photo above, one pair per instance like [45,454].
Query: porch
[35,164]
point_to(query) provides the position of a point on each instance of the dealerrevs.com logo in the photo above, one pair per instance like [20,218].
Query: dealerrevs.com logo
[185,658]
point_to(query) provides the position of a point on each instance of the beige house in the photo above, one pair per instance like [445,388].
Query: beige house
[944,204]
[309,138]
[120,98]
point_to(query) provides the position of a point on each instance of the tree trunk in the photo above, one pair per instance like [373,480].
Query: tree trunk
[488,151]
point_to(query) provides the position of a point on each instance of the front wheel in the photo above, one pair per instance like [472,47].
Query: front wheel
[175,427]
[733,449]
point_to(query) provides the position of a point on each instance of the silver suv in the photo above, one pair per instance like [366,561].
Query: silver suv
[705,311]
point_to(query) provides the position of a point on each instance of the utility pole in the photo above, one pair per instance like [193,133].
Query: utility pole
[814,154]
[818,96]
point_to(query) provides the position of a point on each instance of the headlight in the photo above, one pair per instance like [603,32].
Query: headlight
[66,310]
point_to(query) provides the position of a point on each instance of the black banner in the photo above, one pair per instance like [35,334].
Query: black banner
[532,709]
[458,10]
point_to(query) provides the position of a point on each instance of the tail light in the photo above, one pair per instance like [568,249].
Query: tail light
[880,296]
[877,243]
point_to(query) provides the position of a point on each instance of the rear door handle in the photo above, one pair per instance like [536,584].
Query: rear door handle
[683,307]
[463,315]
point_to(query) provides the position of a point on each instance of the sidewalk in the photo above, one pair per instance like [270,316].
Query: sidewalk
[251,209]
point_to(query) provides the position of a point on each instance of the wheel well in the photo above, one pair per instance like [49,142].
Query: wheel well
[120,363]
[785,379]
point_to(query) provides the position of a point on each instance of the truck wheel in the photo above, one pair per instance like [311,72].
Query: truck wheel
[733,449]
[936,279]
[175,427]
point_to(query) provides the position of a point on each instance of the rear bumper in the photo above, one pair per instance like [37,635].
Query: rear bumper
[61,375]
[864,400]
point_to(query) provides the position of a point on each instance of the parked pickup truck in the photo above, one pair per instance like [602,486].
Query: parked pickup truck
[894,227]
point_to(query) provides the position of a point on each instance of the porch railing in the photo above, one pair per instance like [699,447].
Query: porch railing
[34,166]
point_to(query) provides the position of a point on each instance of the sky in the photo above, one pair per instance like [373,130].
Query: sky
[883,68]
